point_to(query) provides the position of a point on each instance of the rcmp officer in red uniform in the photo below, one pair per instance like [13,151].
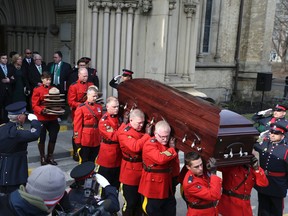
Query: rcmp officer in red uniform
[238,182]
[50,122]
[273,154]
[13,147]
[131,141]
[156,180]
[86,120]
[76,96]
[110,156]
[202,191]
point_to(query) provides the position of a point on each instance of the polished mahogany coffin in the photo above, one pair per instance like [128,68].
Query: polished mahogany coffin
[196,124]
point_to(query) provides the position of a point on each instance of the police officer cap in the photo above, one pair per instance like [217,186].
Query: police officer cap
[82,171]
[278,128]
[127,72]
[86,59]
[17,108]
[280,107]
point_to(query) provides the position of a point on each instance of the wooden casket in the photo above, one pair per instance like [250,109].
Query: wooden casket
[196,124]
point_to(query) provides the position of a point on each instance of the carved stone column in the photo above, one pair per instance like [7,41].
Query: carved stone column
[10,38]
[95,12]
[117,42]
[41,35]
[106,26]
[30,35]
[172,6]
[189,9]
[130,15]
[19,38]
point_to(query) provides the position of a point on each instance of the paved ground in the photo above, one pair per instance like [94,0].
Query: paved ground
[62,156]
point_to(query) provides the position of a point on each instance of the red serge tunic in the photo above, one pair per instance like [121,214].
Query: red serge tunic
[200,191]
[76,95]
[232,178]
[86,121]
[110,153]
[157,185]
[38,103]
[131,143]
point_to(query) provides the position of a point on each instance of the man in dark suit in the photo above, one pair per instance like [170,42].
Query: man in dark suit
[35,71]
[59,72]
[7,79]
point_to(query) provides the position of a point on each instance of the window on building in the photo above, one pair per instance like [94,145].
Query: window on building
[207,26]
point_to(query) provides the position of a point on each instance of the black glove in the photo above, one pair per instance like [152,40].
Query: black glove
[172,142]
[211,165]
[126,117]
[254,163]
[148,129]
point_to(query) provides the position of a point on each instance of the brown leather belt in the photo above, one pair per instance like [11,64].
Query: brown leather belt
[204,206]
[240,196]
[90,125]
[275,174]
[149,169]
[109,141]
[133,160]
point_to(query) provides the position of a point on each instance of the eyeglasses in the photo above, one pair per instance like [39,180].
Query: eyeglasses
[163,137]
[28,53]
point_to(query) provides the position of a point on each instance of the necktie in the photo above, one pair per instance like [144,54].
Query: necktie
[4,67]
[56,75]
[40,69]
[29,61]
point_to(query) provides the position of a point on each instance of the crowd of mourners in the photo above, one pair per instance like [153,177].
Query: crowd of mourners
[121,152]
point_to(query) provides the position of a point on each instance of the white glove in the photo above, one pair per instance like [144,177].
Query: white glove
[117,77]
[265,112]
[32,117]
[102,180]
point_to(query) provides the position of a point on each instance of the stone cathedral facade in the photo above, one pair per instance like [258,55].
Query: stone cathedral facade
[213,46]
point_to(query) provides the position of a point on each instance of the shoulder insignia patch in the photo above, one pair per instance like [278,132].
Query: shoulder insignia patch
[33,130]
[190,179]
[127,128]
[153,140]
[198,186]
[104,117]
[129,137]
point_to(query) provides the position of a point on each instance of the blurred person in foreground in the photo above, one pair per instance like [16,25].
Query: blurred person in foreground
[13,146]
[45,188]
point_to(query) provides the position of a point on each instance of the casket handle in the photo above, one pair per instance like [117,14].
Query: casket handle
[184,138]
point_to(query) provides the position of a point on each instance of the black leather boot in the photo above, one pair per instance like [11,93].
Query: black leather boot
[50,159]
[41,147]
